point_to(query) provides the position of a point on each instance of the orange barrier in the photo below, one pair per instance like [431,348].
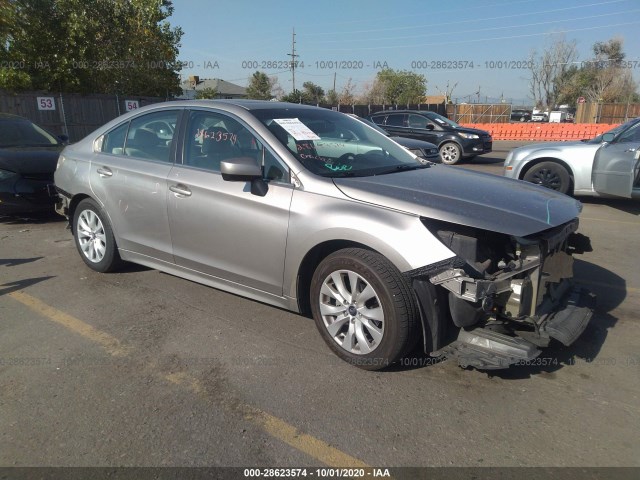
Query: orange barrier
[542,131]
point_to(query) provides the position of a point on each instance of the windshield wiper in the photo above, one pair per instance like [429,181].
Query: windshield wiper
[404,168]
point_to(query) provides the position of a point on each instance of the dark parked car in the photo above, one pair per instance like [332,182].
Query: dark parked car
[453,141]
[520,116]
[28,158]
[421,149]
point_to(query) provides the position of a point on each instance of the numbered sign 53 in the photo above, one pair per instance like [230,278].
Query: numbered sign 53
[46,103]
[130,105]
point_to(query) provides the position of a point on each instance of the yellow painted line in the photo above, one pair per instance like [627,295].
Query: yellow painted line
[305,443]
[273,426]
[111,344]
[182,378]
[280,429]
[610,221]
[608,285]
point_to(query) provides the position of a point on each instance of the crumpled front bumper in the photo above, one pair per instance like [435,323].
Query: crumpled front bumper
[487,349]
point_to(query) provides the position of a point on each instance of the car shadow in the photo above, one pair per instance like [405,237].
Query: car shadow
[11,287]
[625,205]
[33,218]
[12,262]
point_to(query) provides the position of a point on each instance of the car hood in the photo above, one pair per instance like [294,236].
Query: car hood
[412,142]
[472,130]
[466,197]
[29,160]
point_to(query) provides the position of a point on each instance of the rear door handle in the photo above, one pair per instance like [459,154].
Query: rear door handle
[105,172]
[180,190]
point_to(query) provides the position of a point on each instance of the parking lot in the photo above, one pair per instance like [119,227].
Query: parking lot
[140,368]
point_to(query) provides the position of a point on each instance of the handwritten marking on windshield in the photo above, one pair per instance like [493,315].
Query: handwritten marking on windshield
[338,168]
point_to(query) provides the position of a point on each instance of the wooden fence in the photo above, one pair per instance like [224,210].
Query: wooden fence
[70,114]
[606,112]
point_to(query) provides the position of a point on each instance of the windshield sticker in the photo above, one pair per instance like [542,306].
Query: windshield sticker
[297,129]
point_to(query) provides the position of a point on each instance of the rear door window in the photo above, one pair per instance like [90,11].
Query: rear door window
[395,120]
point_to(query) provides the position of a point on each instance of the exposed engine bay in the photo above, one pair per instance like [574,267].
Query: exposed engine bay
[507,295]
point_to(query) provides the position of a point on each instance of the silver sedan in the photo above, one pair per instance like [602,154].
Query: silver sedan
[607,165]
[313,211]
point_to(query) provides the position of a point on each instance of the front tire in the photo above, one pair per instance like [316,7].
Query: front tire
[551,175]
[94,237]
[450,153]
[363,308]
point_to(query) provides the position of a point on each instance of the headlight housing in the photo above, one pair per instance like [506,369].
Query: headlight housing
[470,136]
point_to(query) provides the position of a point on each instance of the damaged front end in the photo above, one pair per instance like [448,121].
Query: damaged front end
[507,295]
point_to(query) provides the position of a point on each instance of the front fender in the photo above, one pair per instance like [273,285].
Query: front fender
[399,236]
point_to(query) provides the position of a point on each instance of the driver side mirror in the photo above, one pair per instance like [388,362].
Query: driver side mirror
[244,169]
[240,169]
[429,126]
[607,137]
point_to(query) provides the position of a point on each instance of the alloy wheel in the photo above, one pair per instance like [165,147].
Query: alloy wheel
[352,312]
[91,236]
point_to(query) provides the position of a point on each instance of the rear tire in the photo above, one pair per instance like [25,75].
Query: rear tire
[364,308]
[551,175]
[94,237]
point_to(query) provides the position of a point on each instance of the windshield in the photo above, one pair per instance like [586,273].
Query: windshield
[332,144]
[371,124]
[22,133]
[439,119]
[615,131]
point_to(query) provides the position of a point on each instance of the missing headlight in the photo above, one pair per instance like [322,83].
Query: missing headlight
[485,252]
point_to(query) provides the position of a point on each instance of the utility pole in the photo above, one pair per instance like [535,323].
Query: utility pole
[334,82]
[293,59]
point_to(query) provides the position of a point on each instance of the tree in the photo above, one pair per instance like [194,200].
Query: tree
[206,93]
[7,24]
[602,78]
[260,87]
[448,92]
[100,46]
[549,71]
[347,96]
[332,97]
[277,91]
[609,81]
[393,87]
[313,92]
[295,97]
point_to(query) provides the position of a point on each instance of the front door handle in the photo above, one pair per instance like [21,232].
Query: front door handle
[180,189]
[105,172]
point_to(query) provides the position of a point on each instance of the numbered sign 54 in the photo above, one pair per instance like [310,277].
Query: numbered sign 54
[46,103]
[130,105]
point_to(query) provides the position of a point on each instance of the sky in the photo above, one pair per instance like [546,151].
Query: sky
[481,47]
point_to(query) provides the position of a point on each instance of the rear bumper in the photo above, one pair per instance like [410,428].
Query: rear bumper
[27,196]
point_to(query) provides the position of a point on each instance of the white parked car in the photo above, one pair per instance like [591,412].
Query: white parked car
[606,165]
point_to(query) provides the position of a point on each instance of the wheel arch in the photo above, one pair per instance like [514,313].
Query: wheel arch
[309,264]
[73,204]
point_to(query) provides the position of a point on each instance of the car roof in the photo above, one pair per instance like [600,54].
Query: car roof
[10,116]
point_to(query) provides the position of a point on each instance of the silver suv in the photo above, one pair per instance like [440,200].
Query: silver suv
[313,211]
